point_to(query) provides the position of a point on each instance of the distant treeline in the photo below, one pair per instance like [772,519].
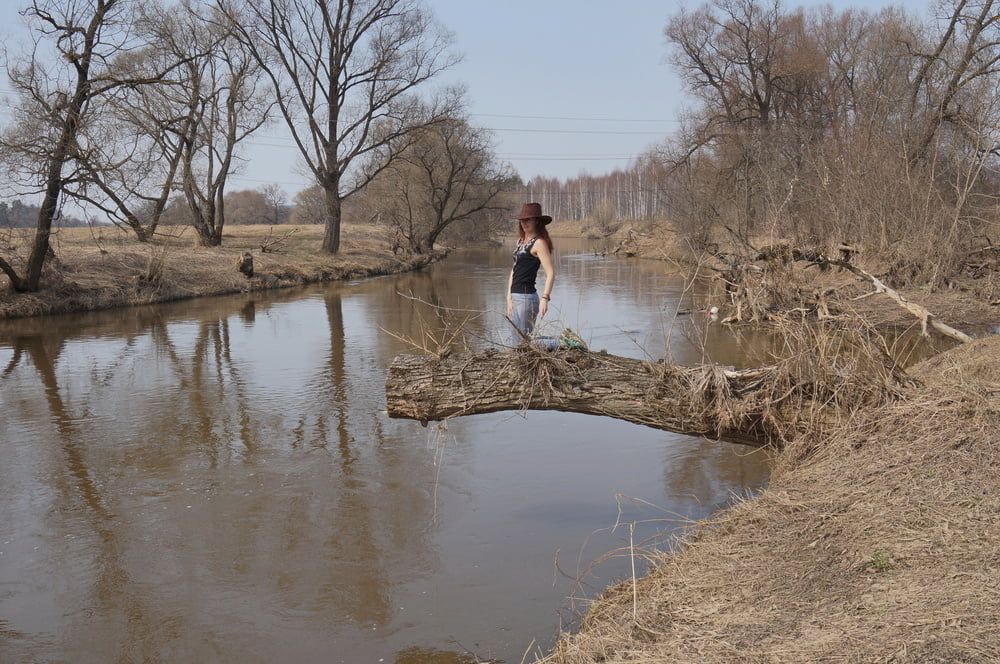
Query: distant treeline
[265,206]
[16,214]
[634,193]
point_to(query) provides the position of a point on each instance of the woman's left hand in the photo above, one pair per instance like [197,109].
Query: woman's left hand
[543,306]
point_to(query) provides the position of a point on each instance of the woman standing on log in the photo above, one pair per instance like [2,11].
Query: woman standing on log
[523,302]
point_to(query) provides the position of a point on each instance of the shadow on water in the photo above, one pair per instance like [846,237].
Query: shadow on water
[216,480]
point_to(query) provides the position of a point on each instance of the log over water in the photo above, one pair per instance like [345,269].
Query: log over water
[711,401]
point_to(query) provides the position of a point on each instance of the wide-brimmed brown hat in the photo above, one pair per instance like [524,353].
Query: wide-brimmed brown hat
[533,211]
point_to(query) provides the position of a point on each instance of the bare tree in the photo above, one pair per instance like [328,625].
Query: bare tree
[136,142]
[247,207]
[967,52]
[69,68]
[229,102]
[833,126]
[345,73]
[727,53]
[449,174]
[309,206]
[276,200]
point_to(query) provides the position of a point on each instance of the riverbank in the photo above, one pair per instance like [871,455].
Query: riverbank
[971,300]
[877,543]
[106,268]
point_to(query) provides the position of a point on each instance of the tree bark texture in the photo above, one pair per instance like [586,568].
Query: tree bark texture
[712,401]
[331,232]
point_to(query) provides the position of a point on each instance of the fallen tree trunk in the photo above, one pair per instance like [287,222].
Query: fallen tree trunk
[923,315]
[750,406]
[738,285]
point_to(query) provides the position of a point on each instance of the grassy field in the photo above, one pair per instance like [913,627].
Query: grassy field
[106,267]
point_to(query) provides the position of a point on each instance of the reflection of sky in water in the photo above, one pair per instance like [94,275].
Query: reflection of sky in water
[217,480]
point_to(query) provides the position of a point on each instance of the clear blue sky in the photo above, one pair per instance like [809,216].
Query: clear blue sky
[551,58]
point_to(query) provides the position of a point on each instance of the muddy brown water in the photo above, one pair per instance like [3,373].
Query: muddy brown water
[217,481]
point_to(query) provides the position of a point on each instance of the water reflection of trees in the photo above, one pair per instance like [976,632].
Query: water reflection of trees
[409,309]
[697,473]
[112,586]
[209,404]
[319,505]
[325,515]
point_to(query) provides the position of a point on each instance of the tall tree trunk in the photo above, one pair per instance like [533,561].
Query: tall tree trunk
[331,236]
[144,234]
[205,222]
[53,177]
[53,188]
[209,237]
[428,244]
[40,246]
[220,206]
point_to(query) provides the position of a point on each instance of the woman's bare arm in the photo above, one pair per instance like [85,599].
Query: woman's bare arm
[541,250]
[510,300]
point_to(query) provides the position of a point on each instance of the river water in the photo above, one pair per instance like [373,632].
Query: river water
[217,481]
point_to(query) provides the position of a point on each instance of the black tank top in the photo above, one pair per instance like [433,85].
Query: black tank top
[525,268]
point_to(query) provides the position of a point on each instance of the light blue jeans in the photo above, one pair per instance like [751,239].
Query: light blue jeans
[524,315]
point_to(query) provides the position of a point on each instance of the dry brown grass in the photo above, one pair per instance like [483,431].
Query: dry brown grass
[108,268]
[876,543]
[971,299]
[566,228]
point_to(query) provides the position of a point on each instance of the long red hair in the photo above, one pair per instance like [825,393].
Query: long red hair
[540,232]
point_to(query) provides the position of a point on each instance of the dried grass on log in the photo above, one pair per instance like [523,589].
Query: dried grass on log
[821,377]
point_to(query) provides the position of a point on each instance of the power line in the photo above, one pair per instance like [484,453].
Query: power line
[530,130]
[568,158]
[534,187]
[539,130]
[527,156]
[574,131]
[567,118]
[542,117]
[572,119]
[291,144]
[256,181]
[567,154]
